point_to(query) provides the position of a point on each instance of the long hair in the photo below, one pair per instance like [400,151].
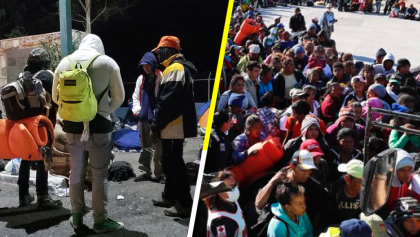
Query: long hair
[166,52]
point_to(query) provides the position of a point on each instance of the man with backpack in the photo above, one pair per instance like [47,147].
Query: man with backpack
[101,94]
[144,104]
[175,119]
[38,65]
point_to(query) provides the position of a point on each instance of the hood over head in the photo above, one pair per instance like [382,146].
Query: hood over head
[388,56]
[404,159]
[92,43]
[148,58]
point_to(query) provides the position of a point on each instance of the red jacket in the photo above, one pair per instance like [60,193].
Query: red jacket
[330,108]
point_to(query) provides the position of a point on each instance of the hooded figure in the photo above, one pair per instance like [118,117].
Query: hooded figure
[380,68]
[294,144]
[269,40]
[146,89]
[105,76]
[399,188]
[101,80]
[144,104]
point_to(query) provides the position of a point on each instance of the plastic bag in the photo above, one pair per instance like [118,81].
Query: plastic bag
[13,166]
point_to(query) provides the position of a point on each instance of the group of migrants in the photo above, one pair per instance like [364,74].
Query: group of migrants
[392,8]
[163,104]
[290,88]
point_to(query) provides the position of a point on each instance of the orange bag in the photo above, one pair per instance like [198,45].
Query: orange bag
[24,137]
[5,127]
[270,151]
[248,27]
[23,144]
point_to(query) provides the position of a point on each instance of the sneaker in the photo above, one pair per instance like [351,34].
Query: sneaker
[144,168]
[26,199]
[162,179]
[143,177]
[45,200]
[178,211]
[76,220]
[163,202]
[107,226]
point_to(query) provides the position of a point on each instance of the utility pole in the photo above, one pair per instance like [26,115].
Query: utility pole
[65,28]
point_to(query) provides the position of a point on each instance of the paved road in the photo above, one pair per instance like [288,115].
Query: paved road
[140,217]
[362,34]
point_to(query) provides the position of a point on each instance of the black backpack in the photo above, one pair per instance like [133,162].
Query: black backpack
[21,98]
[120,171]
[260,229]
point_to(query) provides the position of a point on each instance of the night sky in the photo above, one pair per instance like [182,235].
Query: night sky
[197,23]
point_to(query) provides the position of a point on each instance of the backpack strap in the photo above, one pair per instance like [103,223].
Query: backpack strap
[284,222]
[90,61]
[73,65]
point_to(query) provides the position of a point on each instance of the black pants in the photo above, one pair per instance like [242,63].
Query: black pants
[177,186]
[41,177]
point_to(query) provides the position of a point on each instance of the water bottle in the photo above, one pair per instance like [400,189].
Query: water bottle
[62,192]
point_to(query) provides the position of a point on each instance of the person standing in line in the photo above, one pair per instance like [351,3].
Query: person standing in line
[175,119]
[105,76]
[144,104]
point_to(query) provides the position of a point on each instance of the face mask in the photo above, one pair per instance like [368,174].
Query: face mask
[233,195]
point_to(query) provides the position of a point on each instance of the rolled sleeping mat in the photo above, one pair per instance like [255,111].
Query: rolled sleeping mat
[27,135]
[5,127]
[270,151]
[248,27]
[38,127]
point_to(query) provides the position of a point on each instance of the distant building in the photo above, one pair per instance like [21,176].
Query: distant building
[14,52]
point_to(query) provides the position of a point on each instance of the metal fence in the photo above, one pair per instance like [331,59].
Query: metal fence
[395,116]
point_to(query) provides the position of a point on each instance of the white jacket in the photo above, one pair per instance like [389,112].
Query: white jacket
[136,95]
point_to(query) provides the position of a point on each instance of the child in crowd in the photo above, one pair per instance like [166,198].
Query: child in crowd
[253,134]
[290,218]
[317,59]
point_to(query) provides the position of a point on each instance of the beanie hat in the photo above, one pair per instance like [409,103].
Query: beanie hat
[355,227]
[379,89]
[399,108]
[236,100]
[402,63]
[307,122]
[381,53]
[299,49]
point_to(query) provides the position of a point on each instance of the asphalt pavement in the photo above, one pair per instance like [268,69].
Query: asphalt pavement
[140,217]
[361,34]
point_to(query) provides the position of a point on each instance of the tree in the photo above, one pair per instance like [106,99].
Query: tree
[88,12]
[54,49]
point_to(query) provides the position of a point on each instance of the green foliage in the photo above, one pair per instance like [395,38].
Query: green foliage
[18,31]
[54,49]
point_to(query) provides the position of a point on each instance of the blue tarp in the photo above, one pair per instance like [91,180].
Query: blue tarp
[126,139]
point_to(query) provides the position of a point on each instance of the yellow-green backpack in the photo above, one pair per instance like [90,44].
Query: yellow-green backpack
[76,99]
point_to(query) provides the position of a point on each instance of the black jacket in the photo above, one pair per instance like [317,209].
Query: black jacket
[175,106]
[297,23]
[219,152]
[279,83]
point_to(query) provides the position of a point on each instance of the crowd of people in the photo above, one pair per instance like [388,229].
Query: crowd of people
[294,86]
